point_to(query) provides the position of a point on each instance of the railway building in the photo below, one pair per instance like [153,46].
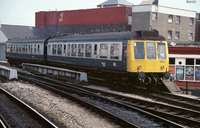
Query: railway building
[176,25]
[184,64]
[112,15]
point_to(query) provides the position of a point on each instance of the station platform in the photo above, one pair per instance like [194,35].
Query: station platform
[9,73]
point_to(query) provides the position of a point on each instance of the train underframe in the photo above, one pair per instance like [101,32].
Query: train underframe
[128,80]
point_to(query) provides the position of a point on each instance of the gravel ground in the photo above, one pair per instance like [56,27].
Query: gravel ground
[13,114]
[62,112]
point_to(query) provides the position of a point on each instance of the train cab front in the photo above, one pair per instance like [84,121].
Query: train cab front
[149,59]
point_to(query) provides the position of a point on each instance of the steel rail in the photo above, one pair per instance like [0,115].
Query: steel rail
[36,114]
[63,90]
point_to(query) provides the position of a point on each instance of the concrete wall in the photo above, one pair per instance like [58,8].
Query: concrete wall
[2,51]
[142,20]
[183,27]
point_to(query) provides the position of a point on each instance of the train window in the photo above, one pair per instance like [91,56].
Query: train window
[29,48]
[8,47]
[139,50]
[23,48]
[103,50]
[68,49]
[54,49]
[88,50]
[80,50]
[26,48]
[161,51]
[151,50]
[74,49]
[19,48]
[35,49]
[14,47]
[59,49]
[114,51]
[38,48]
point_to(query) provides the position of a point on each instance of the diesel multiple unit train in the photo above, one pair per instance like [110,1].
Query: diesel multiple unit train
[120,56]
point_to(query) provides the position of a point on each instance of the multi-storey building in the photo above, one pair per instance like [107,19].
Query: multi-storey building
[176,25]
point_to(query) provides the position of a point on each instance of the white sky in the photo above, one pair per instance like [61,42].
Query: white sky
[22,12]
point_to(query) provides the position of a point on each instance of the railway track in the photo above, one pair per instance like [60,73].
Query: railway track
[123,114]
[3,122]
[177,114]
[15,113]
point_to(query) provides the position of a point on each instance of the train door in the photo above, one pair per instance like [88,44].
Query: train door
[45,49]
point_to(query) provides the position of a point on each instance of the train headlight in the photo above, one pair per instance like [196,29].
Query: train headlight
[162,67]
[139,66]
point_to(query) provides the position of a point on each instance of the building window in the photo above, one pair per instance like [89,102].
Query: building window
[170,18]
[191,36]
[191,21]
[169,36]
[178,19]
[177,35]
[154,16]
[172,61]
[197,16]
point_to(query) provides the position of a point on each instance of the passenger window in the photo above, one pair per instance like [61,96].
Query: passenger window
[59,49]
[88,50]
[23,48]
[38,48]
[103,50]
[14,48]
[161,51]
[80,50]
[54,49]
[114,51]
[74,49]
[8,48]
[35,49]
[151,50]
[139,50]
[26,48]
[19,48]
[68,50]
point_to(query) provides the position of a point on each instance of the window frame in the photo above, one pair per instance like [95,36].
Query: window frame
[170,18]
[178,19]
[169,35]
[154,16]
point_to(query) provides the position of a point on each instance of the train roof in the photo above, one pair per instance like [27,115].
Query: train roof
[27,40]
[109,36]
[139,35]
